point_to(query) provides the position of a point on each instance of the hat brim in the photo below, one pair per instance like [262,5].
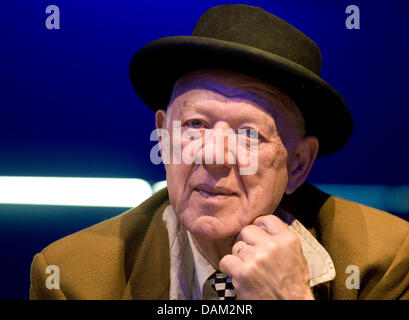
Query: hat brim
[155,68]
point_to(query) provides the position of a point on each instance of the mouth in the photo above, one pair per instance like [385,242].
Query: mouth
[207,192]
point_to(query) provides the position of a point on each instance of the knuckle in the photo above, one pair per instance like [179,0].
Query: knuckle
[293,240]
[258,259]
[275,218]
[272,247]
[262,218]
[246,231]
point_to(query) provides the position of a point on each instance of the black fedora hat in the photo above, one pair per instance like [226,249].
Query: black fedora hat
[252,41]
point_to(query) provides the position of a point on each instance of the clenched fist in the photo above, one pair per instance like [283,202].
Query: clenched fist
[267,262]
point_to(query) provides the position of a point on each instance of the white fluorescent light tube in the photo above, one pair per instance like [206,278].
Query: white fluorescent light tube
[159,185]
[96,192]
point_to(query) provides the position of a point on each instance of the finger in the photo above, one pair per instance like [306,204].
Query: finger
[230,265]
[271,224]
[237,247]
[242,250]
[253,235]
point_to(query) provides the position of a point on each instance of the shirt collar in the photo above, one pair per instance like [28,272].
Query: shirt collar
[203,269]
[181,258]
[189,270]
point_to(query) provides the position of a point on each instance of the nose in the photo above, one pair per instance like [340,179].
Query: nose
[219,148]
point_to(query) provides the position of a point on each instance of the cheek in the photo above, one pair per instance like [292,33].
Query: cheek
[273,157]
[177,172]
[266,188]
[176,177]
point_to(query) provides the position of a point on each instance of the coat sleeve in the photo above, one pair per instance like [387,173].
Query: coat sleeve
[394,283]
[38,277]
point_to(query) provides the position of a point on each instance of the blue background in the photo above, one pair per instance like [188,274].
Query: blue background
[67,107]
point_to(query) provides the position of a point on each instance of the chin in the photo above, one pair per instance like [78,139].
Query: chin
[211,228]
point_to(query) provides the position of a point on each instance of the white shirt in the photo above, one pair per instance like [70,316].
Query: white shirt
[189,270]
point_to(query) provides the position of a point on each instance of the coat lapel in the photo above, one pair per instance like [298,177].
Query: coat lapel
[149,279]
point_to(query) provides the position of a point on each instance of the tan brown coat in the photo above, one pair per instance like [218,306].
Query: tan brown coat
[127,257]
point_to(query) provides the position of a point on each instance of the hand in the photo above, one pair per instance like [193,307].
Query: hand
[267,262]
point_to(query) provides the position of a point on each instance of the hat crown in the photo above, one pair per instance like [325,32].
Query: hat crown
[260,29]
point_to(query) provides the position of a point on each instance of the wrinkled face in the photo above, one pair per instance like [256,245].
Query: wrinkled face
[214,200]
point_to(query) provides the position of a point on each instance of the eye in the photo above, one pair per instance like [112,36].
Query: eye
[249,133]
[195,124]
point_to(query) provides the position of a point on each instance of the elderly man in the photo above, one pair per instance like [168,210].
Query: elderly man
[244,225]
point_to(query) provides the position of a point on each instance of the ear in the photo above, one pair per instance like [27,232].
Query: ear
[301,162]
[160,122]
[160,119]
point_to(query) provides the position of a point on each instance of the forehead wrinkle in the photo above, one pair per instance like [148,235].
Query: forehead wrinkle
[233,85]
[257,97]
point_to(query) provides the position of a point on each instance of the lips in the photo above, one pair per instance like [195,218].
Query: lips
[207,191]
